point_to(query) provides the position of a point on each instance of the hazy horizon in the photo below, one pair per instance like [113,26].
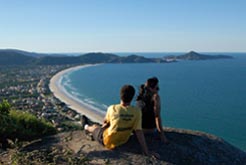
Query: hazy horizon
[74,52]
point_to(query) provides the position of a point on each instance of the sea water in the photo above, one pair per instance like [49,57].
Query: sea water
[207,95]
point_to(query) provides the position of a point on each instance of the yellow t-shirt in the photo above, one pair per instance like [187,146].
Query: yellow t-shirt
[123,120]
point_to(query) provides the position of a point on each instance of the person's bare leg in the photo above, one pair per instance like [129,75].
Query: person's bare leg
[91,128]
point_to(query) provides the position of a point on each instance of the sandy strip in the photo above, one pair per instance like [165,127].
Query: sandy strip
[71,103]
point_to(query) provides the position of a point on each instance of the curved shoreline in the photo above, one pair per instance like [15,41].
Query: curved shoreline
[71,103]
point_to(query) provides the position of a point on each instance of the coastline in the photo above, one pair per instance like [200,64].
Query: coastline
[59,93]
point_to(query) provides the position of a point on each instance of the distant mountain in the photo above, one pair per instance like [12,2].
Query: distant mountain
[133,59]
[197,56]
[98,58]
[59,60]
[15,58]
[19,57]
[31,54]
[93,58]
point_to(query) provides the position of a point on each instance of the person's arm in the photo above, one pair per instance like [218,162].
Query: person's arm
[158,121]
[141,140]
[106,121]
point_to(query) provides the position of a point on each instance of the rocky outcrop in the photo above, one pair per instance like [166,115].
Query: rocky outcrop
[186,147]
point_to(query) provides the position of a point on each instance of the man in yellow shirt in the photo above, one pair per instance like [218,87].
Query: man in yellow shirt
[119,123]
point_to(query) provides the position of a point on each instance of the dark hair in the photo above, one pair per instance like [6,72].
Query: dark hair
[152,82]
[127,93]
[142,92]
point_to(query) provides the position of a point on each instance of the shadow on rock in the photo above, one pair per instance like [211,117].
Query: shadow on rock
[186,147]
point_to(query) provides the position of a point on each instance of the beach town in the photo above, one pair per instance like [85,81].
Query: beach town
[27,88]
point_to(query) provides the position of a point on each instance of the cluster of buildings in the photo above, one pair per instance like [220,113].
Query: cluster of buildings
[27,88]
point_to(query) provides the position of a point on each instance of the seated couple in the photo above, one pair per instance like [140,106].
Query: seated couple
[120,122]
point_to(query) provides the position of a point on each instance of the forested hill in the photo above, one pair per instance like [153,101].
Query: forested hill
[18,57]
[15,58]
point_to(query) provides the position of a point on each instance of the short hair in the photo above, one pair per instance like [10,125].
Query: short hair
[152,82]
[127,93]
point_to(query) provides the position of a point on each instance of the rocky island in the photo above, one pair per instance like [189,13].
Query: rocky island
[192,55]
[197,56]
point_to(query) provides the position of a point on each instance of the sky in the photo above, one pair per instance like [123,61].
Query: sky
[123,25]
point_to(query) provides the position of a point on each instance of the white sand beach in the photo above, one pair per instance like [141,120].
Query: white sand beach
[71,103]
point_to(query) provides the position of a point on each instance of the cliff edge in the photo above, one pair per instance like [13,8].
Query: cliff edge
[186,147]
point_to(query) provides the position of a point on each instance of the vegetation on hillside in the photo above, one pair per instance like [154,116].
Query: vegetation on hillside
[13,58]
[16,58]
[22,126]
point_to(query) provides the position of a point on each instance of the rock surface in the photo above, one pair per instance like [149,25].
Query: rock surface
[186,147]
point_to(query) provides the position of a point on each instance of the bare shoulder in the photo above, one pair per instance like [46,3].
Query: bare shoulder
[156,96]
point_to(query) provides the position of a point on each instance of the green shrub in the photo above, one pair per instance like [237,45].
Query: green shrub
[23,126]
[27,126]
[4,107]
[5,121]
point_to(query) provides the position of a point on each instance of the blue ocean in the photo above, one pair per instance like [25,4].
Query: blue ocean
[207,95]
